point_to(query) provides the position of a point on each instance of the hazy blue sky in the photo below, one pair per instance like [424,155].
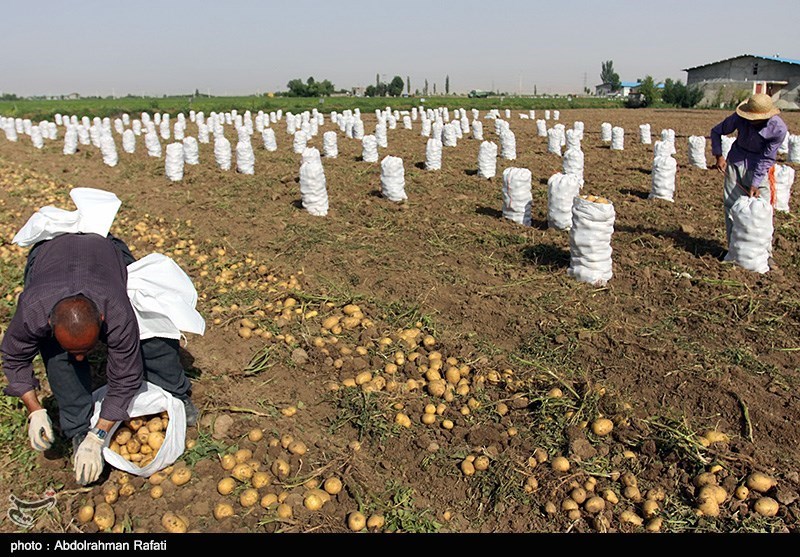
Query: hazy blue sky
[247,46]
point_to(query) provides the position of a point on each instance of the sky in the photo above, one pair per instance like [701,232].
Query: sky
[241,47]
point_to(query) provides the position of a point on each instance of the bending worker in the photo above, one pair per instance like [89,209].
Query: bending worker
[74,297]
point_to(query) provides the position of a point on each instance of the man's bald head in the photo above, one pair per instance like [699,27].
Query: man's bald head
[76,323]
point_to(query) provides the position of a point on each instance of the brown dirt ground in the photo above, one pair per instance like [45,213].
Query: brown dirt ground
[676,344]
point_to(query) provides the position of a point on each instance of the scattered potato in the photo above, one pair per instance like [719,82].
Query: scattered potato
[86,513]
[242,472]
[356,521]
[766,506]
[181,476]
[104,516]
[602,426]
[376,522]
[313,502]
[332,485]
[223,510]
[249,497]
[173,524]
[760,482]
[255,435]
[560,464]
[226,486]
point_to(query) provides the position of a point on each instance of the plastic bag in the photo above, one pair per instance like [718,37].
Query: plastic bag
[590,241]
[393,179]
[487,160]
[561,191]
[433,154]
[751,236]
[517,196]
[313,190]
[369,148]
[173,162]
[149,399]
[697,151]
[222,151]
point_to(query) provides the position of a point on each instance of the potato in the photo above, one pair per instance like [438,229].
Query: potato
[284,511]
[706,478]
[708,507]
[356,521]
[654,525]
[156,492]
[243,455]
[594,505]
[741,493]
[104,516]
[127,490]
[631,517]
[154,424]
[133,446]
[227,461]
[281,469]
[321,493]
[146,450]
[260,479]
[181,476]
[332,485]
[123,435]
[226,486]
[155,440]
[142,434]
[297,447]
[223,510]
[578,495]
[760,482]
[242,472]
[86,513]
[111,494]
[650,508]
[718,493]
[560,464]
[135,423]
[248,497]
[602,426]
[376,522]
[568,505]
[313,502]
[269,499]
[255,435]
[286,440]
[437,387]
[157,478]
[402,420]
[467,468]
[173,524]
[766,506]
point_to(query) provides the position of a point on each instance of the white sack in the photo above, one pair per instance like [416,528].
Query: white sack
[477,130]
[644,134]
[329,144]
[313,190]
[173,162]
[369,148]
[517,195]
[128,141]
[433,154]
[487,160]
[153,144]
[562,189]
[393,180]
[663,174]
[697,151]
[605,132]
[109,150]
[794,148]
[784,179]
[751,237]
[191,152]
[245,158]
[590,241]
[617,138]
[508,145]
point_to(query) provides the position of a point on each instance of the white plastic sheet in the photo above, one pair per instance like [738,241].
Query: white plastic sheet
[517,195]
[487,160]
[590,241]
[561,191]
[751,236]
[393,180]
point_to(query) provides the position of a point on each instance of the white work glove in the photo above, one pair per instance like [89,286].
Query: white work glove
[89,459]
[40,430]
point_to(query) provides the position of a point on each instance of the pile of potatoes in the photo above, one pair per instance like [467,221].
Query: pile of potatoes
[596,199]
[138,439]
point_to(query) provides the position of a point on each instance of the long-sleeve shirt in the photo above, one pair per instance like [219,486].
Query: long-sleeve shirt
[65,266]
[756,148]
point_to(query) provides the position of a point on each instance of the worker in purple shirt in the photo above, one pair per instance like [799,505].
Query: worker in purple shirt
[760,134]
[74,296]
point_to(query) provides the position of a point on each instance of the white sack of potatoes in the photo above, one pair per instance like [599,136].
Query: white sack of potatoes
[590,241]
[517,195]
[508,145]
[572,163]
[668,136]
[152,143]
[300,141]
[407,122]
[572,139]
[578,127]
[329,144]
[425,128]
[109,150]
[83,135]
[541,128]
[70,140]
[128,141]
[697,151]
[202,133]
[554,141]
[449,138]
[487,160]
[191,150]
[313,189]
[605,132]
[727,143]
[268,138]
[433,154]
[617,138]
[794,148]
[393,181]
[561,191]
[784,148]
[222,151]
[784,179]
[358,129]
[173,162]
[245,158]
[663,175]
[380,136]
[751,237]
[477,130]
[310,154]
[644,134]
[369,148]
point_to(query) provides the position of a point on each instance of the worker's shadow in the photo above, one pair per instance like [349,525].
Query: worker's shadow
[699,247]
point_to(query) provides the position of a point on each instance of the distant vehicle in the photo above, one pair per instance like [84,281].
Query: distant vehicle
[635,100]
[478,94]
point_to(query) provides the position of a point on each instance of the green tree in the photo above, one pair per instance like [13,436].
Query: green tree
[425,89]
[447,85]
[608,75]
[675,93]
[648,89]
[371,91]
[408,85]
[377,80]
[395,87]
[296,88]
[434,88]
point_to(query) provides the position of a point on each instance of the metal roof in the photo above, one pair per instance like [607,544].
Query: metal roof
[773,58]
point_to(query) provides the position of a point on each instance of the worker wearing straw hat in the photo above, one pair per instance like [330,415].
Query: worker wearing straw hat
[760,132]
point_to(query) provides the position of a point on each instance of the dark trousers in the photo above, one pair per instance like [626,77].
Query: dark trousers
[71,381]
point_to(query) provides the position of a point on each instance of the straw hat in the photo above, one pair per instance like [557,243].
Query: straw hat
[757,107]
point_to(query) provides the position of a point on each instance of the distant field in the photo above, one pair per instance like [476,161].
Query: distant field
[36,109]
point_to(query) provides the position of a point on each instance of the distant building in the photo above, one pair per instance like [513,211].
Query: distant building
[73,96]
[358,91]
[729,81]
[605,90]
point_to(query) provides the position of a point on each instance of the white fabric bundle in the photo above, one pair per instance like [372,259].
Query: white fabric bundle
[313,189]
[407,122]
[784,179]
[310,154]
[751,236]
[562,189]
[477,130]
[644,134]
[517,196]
[128,141]
[118,127]
[541,128]
[152,143]
[358,128]
[36,137]
[268,137]
[369,148]
[572,163]
[393,182]
[449,138]
[380,135]
[202,133]
[136,126]
[794,148]
[617,138]
[173,162]
[663,174]
[245,158]
[300,141]
[329,145]
[163,128]
[109,150]
[426,128]
[590,241]
[727,143]
[572,139]
[433,154]
[222,151]
[697,151]
[191,153]
[554,141]
[71,140]
[605,132]
[487,160]
[508,145]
